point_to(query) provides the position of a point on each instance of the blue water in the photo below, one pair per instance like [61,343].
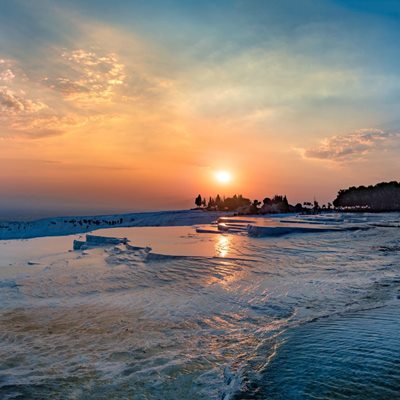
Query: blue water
[354,356]
[299,316]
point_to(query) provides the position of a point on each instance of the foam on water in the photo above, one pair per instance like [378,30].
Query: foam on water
[200,316]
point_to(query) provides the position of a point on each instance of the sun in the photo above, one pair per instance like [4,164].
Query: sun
[223,176]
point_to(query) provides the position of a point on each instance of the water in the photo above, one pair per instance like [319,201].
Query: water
[351,356]
[301,316]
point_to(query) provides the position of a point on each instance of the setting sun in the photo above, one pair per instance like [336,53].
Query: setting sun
[223,176]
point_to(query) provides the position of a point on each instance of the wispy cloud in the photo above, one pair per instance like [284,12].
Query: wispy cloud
[6,74]
[353,146]
[13,99]
[19,107]
[88,76]
[11,102]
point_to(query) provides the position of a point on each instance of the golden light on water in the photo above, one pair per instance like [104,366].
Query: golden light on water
[223,176]
[222,246]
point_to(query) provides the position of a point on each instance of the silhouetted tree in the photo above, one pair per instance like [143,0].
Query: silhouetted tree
[285,204]
[218,202]
[254,206]
[234,202]
[198,201]
[267,201]
[298,208]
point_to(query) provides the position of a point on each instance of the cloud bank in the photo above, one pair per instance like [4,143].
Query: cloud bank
[355,145]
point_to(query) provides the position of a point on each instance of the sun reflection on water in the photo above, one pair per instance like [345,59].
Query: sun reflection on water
[222,245]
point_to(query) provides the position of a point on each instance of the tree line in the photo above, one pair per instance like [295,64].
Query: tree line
[384,196]
[222,203]
[275,204]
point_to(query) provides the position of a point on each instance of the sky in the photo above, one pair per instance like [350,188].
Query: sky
[129,105]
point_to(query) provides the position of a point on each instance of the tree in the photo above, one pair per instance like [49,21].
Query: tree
[298,208]
[235,202]
[218,201]
[198,201]
[267,201]
[254,207]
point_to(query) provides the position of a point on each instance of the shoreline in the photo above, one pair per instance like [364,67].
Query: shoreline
[62,226]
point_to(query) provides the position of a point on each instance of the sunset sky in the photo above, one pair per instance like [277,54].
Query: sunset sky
[135,105]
